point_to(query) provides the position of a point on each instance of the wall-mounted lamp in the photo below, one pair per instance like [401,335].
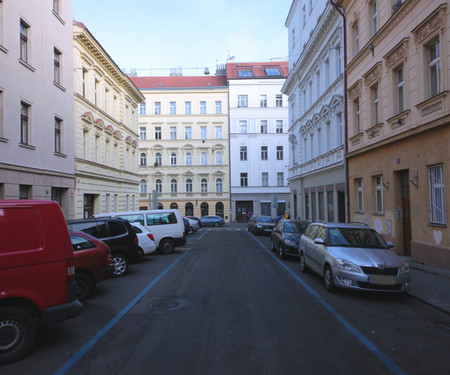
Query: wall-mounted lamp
[213,150]
[372,48]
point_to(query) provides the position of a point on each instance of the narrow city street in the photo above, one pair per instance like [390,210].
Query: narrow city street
[225,304]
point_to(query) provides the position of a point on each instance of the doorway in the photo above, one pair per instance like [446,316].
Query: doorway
[243,208]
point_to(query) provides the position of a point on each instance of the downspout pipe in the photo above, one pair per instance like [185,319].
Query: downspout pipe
[344,25]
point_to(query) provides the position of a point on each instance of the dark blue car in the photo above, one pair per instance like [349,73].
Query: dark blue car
[286,235]
[211,221]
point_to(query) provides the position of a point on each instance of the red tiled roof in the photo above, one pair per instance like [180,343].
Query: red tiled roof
[179,82]
[258,69]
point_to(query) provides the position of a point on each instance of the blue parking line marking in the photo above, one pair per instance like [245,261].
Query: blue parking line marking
[78,355]
[202,235]
[359,336]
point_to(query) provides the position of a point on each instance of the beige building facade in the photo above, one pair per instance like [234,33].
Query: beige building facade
[106,130]
[398,121]
[184,144]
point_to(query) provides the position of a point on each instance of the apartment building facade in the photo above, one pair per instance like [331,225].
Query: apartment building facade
[184,144]
[106,130]
[398,123]
[36,129]
[258,139]
[315,87]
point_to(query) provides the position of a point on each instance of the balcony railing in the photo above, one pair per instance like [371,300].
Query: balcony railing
[325,160]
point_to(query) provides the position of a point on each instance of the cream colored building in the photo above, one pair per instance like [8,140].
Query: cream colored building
[106,125]
[398,123]
[184,144]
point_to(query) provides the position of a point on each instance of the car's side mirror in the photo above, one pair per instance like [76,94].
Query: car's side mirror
[390,244]
[319,241]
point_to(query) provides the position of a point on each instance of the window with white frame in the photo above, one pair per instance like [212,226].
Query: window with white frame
[219,185]
[24,123]
[356,116]
[242,126]
[24,42]
[263,100]
[219,158]
[218,132]
[374,17]
[143,187]
[173,185]
[279,100]
[173,158]
[142,108]
[203,132]
[327,72]
[96,146]
[188,158]
[243,152]
[204,158]
[434,67]
[242,100]
[202,108]
[218,107]
[356,38]
[328,136]
[279,126]
[173,108]
[399,88]
[305,149]
[379,194]
[158,159]
[318,86]
[173,132]
[158,185]
[279,152]
[143,159]
[188,132]
[359,195]
[265,179]
[319,141]
[204,185]
[188,185]
[280,179]
[437,194]
[158,132]
[187,108]
[57,56]
[157,108]
[375,105]
[244,179]
[311,146]
[58,139]
[339,132]
[57,6]
[263,126]
[264,153]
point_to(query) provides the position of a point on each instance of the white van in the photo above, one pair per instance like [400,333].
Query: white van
[167,226]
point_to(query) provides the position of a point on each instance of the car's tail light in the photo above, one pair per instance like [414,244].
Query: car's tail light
[70,269]
[150,235]
[136,241]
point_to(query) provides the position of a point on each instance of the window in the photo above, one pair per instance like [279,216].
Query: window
[279,100]
[158,159]
[143,187]
[143,159]
[263,101]
[173,108]
[242,126]
[142,133]
[356,38]
[400,93]
[218,107]
[158,132]
[173,158]
[204,185]
[158,185]
[219,185]
[244,73]
[279,126]
[434,67]
[356,116]
[24,31]
[188,132]
[293,38]
[58,123]
[280,179]
[437,194]
[244,179]
[279,152]
[327,72]
[311,148]
[275,71]
[24,191]
[379,194]
[173,132]
[328,136]
[374,17]
[96,93]
[219,158]
[218,132]
[188,185]
[339,132]
[319,141]
[242,100]
[57,66]
[187,108]
[188,158]
[157,108]
[84,77]
[24,123]
[203,132]
[57,6]
[359,195]
[173,185]
[375,105]
[265,179]
[142,108]
[264,153]
[202,108]
[203,158]
[243,153]
[318,84]
[263,126]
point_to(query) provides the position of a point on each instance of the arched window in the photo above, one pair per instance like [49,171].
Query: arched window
[173,158]
[219,186]
[219,209]
[158,184]
[158,159]
[143,159]
[188,185]
[143,187]
[173,206]
[188,158]
[219,158]
[204,158]
[173,186]
[204,207]
[160,206]
[204,185]
[189,209]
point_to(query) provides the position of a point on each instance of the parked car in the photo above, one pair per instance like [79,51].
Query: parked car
[92,260]
[212,221]
[118,235]
[194,224]
[187,226]
[196,219]
[285,236]
[37,273]
[250,223]
[167,226]
[353,256]
[263,225]
[146,240]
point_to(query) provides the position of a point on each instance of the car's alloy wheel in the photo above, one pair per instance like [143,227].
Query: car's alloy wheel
[282,253]
[328,279]
[120,264]
[216,224]
[271,246]
[84,285]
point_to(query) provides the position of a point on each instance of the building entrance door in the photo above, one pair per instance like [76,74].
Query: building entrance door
[242,210]
[88,207]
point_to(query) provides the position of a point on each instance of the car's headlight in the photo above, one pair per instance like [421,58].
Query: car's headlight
[405,269]
[258,226]
[348,266]
[290,243]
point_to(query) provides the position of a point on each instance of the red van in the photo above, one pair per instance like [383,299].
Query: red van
[37,274]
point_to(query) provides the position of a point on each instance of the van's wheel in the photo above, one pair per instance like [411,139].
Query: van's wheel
[84,284]
[166,246]
[17,333]
[120,263]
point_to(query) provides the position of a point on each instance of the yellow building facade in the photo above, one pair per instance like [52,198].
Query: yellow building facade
[398,117]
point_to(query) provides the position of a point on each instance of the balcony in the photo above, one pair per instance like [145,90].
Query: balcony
[323,161]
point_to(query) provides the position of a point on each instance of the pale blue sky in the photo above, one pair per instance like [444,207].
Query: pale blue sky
[164,34]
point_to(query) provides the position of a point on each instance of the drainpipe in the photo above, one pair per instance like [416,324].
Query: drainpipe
[344,25]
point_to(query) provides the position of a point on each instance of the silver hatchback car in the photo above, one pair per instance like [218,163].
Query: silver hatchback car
[352,256]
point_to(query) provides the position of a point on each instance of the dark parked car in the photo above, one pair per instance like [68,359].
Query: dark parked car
[118,235]
[263,225]
[92,261]
[286,235]
[212,221]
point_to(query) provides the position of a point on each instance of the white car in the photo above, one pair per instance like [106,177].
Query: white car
[145,238]
[194,224]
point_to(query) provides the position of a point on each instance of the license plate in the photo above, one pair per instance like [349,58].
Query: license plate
[382,280]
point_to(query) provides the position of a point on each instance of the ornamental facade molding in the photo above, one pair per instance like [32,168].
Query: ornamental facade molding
[355,90]
[397,54]
[373,75]
[431,24]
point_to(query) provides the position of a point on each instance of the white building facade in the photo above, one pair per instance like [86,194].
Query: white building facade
[36,102]
[315,88]
[258,139]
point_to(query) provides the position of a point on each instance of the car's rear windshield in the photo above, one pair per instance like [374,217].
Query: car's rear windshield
[265,220]
[355,237]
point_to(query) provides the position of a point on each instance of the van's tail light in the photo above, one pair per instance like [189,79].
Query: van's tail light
[70,269]
[150,235]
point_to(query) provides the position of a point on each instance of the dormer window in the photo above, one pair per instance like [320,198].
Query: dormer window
[245,73]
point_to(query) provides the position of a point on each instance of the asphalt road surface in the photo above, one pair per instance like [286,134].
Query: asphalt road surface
[225,304]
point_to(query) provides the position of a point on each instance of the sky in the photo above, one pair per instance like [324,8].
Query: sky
[153,36]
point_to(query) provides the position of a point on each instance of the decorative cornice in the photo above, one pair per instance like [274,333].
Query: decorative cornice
[431,24]
[355,90]
[373,75]
[397,54]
